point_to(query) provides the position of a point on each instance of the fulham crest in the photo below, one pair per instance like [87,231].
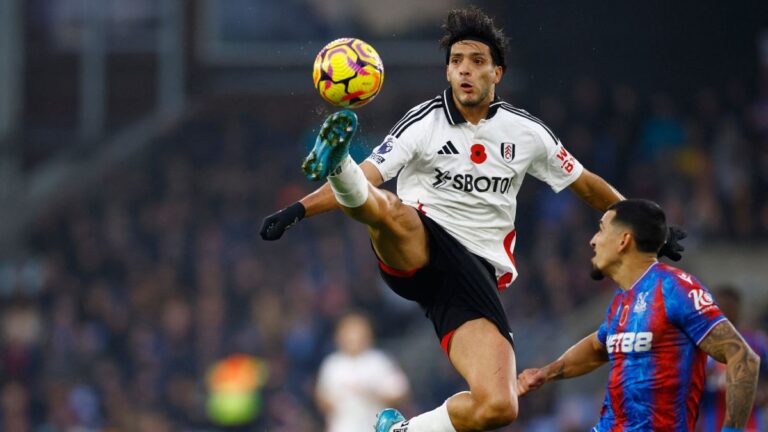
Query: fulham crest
[508,151]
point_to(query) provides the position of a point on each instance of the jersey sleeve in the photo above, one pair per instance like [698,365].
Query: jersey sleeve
[690,306]
[397,149]
[554,166]
[602,333]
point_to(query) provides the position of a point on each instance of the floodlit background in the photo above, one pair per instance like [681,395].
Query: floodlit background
[143,141]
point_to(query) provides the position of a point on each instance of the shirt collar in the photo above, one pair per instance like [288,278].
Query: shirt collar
[453,114]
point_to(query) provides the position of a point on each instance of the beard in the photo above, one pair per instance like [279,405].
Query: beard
[596,273]
[473,100]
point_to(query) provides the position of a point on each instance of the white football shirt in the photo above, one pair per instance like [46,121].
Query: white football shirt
[466,177]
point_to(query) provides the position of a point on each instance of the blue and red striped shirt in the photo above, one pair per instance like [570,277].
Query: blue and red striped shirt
[652,332]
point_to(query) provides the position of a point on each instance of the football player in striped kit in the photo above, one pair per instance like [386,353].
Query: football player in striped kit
[658,330]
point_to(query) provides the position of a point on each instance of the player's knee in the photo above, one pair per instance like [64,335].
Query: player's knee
[391,202]
[498,411]
[379,213]
[397,217]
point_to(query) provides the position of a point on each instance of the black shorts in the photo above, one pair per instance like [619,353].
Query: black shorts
[456,285]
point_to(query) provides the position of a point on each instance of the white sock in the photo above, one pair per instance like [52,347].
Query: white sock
[436,420]
[349,184]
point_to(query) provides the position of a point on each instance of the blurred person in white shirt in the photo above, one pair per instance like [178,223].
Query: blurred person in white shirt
[357,380]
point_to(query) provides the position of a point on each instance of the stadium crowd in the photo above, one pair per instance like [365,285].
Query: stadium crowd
[130,292]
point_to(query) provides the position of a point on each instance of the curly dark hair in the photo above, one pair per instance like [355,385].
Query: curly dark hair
[473,24]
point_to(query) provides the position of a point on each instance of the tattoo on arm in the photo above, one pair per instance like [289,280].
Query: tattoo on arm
[725,345]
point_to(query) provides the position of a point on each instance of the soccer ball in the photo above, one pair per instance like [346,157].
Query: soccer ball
[348,73]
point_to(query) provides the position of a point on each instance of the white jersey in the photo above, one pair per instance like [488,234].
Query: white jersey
[356,385]
[466,177]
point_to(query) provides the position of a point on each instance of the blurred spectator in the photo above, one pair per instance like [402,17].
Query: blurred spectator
[15,407]
[663,132]
[357,380]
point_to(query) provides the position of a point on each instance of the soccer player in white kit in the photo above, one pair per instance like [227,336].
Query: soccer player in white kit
[345,392]
[446,239]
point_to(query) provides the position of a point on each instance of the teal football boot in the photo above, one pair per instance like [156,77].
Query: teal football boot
[386,419]
[331,146]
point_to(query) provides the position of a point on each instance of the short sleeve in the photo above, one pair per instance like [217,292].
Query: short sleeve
[555,166]
[402,142]
[394,153]
[602,333]
[690,306]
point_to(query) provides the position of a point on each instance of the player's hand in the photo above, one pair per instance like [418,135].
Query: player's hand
[672,248]
[276,224]
[530,379]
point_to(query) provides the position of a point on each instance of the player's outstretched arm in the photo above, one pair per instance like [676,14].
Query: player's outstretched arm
[320,201]
[595,191]
[583,357]
[726,345]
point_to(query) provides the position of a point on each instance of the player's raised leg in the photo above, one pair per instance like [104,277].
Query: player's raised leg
[486,360]
[396,231]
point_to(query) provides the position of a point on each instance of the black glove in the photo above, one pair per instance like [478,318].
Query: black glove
[672,249]
[276,224]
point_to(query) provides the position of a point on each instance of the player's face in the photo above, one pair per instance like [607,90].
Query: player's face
[472,74]
[607,245]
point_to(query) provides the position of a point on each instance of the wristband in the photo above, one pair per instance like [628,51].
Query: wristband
[731,429]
